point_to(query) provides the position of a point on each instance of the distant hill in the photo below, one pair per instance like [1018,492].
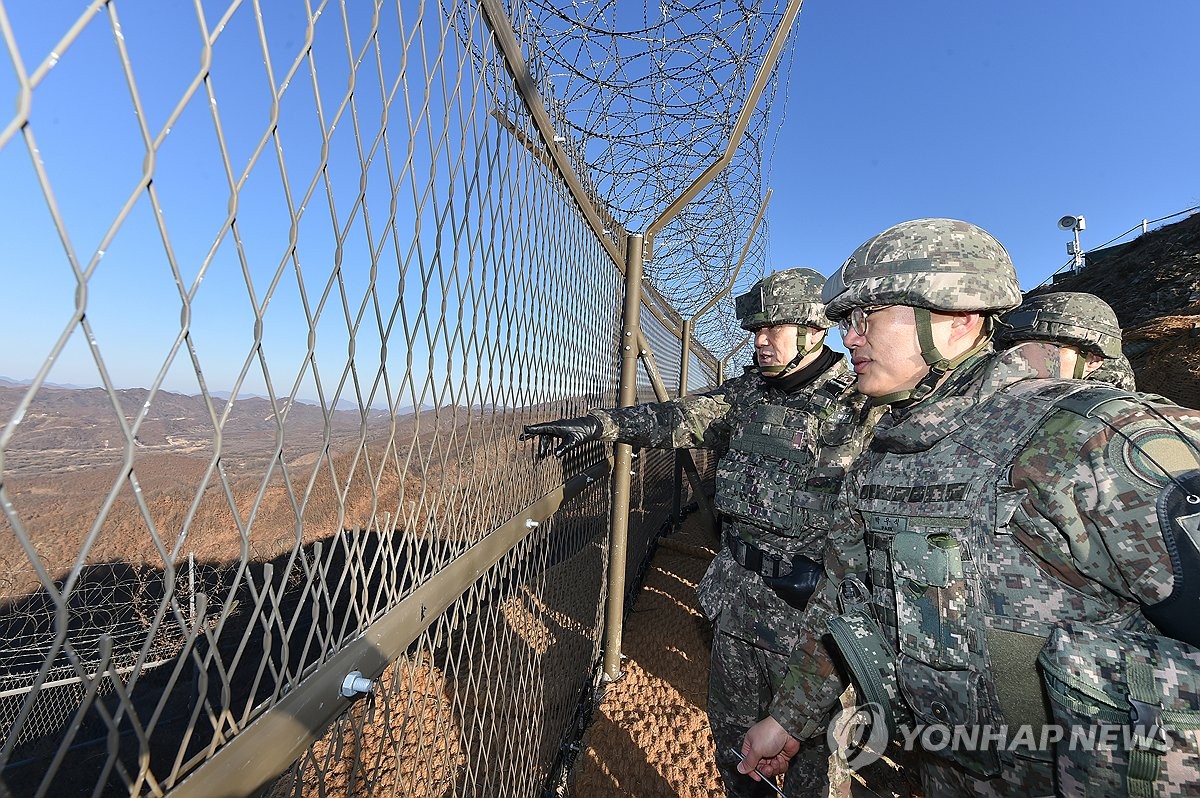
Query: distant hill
[69,428]
[1153,284]
[344,405]
[11,383]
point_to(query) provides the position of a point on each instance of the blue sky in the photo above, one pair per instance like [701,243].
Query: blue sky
[87,137]
[1008,114]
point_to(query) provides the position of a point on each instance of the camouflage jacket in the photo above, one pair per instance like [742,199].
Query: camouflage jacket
[1115,371]
[980,517]
[784,454]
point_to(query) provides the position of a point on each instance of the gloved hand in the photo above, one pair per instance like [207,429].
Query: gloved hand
[568,432]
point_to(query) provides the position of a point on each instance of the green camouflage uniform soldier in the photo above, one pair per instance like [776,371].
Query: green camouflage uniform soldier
[1084,328]
[997,508]
[787,431]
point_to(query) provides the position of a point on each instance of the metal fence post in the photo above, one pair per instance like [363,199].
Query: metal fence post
[622,462]
[685,356]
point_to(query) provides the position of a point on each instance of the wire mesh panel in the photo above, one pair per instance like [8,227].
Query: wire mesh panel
[291,278]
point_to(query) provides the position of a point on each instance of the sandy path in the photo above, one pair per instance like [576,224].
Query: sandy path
[650,737]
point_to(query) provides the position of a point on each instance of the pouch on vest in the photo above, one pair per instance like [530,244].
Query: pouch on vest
[934,632]
[797,587]
[1128,705]
[932,599]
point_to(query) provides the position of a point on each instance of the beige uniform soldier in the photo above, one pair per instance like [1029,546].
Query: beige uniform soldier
[1020,554]
[787,431]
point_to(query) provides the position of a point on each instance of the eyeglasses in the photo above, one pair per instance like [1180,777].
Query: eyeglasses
[857,320]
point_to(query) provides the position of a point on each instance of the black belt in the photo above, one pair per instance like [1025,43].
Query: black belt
[752,558]
[792,580]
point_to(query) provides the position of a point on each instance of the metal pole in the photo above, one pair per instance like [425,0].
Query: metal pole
[732,352]
[192,588]
[682,456]
[661,395]
[496,18]
[685,356]
[762,209]
[622,463]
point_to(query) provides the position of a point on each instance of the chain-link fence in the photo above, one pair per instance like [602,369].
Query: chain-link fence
[342,256]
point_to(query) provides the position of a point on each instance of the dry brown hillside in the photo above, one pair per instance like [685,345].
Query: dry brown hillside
[74,484]
[1153,283]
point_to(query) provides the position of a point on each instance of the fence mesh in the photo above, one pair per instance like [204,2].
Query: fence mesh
[326,244]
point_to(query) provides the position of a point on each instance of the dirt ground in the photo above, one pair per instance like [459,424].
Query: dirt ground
[650,736]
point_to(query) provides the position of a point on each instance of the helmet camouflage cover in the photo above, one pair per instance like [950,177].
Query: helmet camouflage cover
[1068,317]
[938,264]
[792,296]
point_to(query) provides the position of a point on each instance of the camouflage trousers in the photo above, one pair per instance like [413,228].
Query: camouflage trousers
[1022,778]
[754,632]
[742,680]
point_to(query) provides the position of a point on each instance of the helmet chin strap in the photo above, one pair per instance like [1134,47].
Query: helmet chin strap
[803,349]
[939,364]
[1080,365]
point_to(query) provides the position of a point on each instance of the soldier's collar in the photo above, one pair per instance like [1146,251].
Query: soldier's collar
[919,426]
[793,382]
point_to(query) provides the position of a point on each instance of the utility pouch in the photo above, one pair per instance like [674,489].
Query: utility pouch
[869,657]
[797,587]
[1128,706]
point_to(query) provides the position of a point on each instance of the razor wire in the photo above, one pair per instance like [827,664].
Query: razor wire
[321,243]
[648,93]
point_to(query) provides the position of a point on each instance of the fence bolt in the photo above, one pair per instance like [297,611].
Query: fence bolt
[356,684]
[531,524]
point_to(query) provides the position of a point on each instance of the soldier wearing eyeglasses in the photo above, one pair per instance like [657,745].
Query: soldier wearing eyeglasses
[1018,551]
[787,430]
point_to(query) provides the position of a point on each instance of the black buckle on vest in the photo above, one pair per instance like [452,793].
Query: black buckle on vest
[1148,731]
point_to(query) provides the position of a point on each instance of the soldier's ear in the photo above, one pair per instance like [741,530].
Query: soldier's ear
[965,325]
[968,319]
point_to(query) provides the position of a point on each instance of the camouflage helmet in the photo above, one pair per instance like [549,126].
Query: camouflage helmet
[792,296]
[1068,317]
[937,264]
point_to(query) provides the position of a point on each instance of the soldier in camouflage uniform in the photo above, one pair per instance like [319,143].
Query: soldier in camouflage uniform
[996,506]
[1083,326]
[787,431]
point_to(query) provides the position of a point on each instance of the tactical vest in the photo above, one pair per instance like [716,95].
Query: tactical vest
[964,603]
[788,455]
